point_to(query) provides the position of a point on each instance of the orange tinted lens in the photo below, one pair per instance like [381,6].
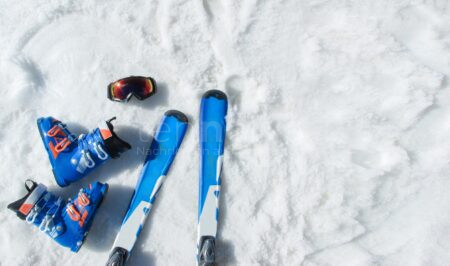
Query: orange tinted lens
[144,90]
[120,90]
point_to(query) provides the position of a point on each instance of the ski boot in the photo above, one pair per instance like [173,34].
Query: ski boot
[68,222]
[73,158]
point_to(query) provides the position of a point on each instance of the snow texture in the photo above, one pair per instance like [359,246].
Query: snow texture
[338,144]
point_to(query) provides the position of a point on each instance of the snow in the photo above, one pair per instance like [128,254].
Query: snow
[338,144]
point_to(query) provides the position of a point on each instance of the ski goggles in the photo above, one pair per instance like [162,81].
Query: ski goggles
[122,89]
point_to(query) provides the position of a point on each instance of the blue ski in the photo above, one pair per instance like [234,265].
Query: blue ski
[167,140]
[213,111]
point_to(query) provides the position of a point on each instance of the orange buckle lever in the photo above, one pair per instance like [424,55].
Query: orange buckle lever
[62,145]
[73,213]
[83,200]
[55,130]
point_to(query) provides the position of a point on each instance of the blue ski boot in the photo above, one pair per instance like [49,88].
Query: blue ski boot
[72,157]
[68,222]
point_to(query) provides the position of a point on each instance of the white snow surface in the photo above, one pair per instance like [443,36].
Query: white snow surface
[338,137]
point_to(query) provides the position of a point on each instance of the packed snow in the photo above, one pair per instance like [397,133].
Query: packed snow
[338,135]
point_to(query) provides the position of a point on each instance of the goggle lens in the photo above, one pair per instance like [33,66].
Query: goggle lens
[141,87]
[143,90]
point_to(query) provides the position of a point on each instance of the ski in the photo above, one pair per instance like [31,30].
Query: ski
[164,146]
[213,111]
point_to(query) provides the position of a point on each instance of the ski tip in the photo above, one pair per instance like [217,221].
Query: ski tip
[216,94]
[178,115]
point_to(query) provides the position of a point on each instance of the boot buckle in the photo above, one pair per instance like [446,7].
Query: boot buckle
[101,153]
[83,199]
[62,145]
[55,130]
[73,213]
